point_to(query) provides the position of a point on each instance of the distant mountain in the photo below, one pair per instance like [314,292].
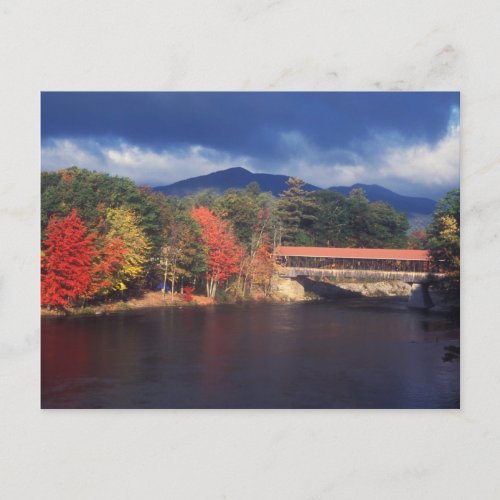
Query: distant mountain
[236,177]
[407,204]
[239,178]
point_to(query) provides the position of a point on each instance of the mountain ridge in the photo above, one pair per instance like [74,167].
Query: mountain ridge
[375,192]
[239,178]
[235,177]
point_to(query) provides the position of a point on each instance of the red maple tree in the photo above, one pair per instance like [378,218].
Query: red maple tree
[67,256]
[223,250]
[72,267]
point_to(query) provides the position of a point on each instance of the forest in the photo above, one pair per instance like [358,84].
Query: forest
[104,238]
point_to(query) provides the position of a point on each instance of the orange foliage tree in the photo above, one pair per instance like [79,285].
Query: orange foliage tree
[258,265]
[262,267]
[221,245]
[110,260]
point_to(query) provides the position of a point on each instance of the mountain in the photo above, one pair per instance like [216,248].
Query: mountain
[236,177]
[239,178]
[407,204]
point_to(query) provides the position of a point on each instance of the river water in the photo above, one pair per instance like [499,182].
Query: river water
[354,353]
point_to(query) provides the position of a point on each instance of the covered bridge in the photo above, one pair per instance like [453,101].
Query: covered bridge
[382,263]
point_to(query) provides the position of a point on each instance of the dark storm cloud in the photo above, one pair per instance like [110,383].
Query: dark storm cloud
[245,123]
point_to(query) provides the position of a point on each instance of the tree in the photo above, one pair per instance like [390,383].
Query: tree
[241,209]
[444,236]
[88,191]
[262,266]
[244,208]
[67,257]
[374,225]
[254,262]
[125,224]
[331,227]
[182,254]
[417,239]
[110,258]
[253,188]
[222,249]
[358,208]
[386,227]
[296,210]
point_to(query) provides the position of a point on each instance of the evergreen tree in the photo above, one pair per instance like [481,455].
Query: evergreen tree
[296,209]
[387,227]
[331,227]
[358,209]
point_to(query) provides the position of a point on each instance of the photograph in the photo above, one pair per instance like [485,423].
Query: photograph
[250,250]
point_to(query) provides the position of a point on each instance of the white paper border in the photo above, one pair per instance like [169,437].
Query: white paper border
[243,45]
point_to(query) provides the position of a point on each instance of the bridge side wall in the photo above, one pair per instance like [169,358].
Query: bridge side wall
[388,265]
[407,277]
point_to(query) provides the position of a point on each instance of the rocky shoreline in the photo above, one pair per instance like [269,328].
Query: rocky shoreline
[304,288]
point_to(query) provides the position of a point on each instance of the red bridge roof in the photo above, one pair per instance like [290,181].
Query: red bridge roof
[354,253]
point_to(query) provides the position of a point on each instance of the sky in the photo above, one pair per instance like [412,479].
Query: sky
[405,141]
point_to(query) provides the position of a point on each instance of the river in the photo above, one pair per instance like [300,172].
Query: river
[354,353]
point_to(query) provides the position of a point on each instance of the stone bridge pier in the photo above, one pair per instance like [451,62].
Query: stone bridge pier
[419,296]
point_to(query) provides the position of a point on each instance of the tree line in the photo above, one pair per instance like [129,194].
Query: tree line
[104,237]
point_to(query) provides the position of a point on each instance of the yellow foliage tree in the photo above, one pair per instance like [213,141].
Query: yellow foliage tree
[450,233]
[125,223]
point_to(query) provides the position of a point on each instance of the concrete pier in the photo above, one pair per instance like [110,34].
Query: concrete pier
[419,296]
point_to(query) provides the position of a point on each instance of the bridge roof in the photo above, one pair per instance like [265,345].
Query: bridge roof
[354,253]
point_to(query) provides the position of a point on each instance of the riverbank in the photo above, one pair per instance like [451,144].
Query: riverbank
[282,290]
[147,301]
[153,300]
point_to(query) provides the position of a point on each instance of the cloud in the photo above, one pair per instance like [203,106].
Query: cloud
[388,159]
[320,166]
[62,153]
[407,165]
[406,141]
[428,165]
[143,165]
[244,123]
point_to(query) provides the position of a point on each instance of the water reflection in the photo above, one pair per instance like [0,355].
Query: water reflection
[351,354]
